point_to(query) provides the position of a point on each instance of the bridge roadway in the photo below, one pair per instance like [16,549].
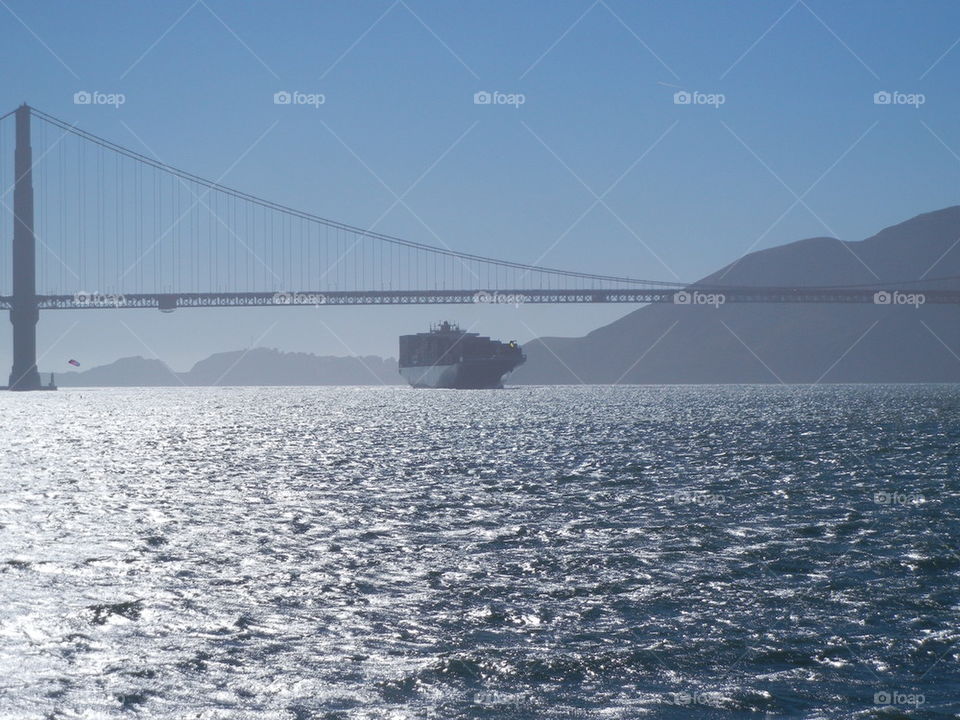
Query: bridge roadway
[693,296]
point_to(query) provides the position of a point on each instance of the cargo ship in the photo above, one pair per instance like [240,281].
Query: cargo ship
[448,357]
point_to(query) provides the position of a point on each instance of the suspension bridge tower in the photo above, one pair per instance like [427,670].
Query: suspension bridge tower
[24,312]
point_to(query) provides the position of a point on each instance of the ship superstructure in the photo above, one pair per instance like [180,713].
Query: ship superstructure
[448,357]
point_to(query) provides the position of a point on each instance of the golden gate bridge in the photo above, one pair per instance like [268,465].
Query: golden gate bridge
[95,225]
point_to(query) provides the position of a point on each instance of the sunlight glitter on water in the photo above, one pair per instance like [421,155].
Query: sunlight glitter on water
[536,552]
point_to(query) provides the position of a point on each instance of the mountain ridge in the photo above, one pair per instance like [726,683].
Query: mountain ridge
[794,343]
[257,366]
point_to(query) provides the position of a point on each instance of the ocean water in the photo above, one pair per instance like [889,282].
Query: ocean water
[572,552]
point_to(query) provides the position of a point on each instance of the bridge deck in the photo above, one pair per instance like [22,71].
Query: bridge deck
[640,296]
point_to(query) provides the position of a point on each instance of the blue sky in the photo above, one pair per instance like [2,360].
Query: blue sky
[798,147]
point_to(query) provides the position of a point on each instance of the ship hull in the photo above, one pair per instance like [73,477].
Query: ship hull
[464,375]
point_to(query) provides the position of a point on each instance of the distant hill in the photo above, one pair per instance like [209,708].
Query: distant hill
[769,343]
[125,372]
[260,366]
